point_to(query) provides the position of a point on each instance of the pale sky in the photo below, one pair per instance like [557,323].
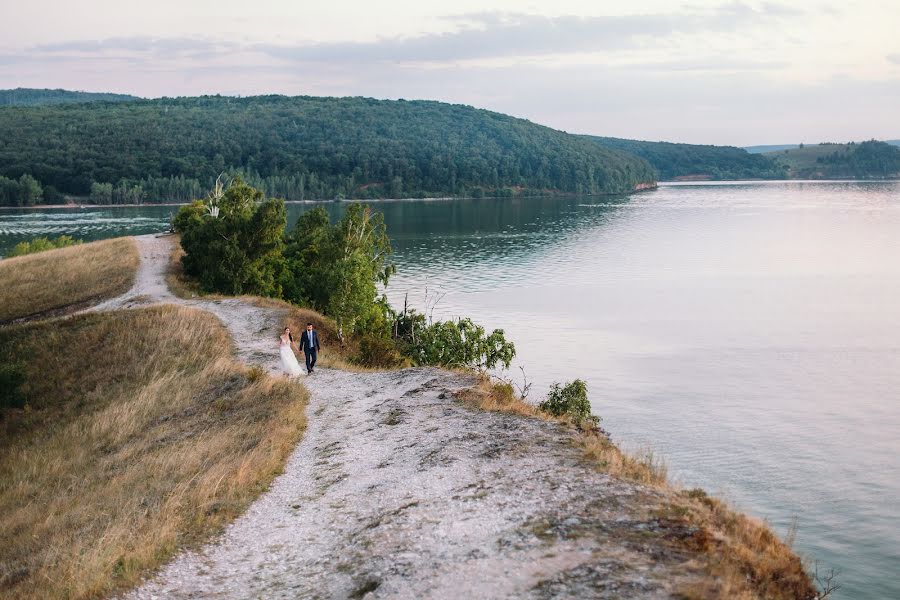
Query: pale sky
[736,73]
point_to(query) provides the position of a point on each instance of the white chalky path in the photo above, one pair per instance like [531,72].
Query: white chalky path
[398,490]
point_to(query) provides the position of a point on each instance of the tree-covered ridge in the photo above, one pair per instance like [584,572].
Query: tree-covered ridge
[302,148]
[865,160]
[674,161]
[38,97]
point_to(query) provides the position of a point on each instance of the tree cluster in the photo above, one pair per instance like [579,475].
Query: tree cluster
[864,160]
[24,191]
[235,242]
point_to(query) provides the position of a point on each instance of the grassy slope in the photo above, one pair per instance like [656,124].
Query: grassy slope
[141,437]
[64,280]
[745,559]
[803,160]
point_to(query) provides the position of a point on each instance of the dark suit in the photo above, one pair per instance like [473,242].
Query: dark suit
[309,343]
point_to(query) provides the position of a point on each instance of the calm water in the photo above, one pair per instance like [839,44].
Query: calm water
[750,333]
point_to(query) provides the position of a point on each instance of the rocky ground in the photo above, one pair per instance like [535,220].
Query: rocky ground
[398,490]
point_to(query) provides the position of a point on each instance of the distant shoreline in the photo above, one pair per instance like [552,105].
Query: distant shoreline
[678,181]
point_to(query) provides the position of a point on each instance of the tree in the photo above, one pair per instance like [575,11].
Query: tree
[101,193]
[31,191]
[238,251]
[337,268]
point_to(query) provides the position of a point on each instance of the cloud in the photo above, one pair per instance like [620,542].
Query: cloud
[475,36]
[139,45]
[489,35]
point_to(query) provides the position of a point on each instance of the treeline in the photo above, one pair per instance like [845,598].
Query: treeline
[24,191]
[673,161]
[37,97]
[300,148]
[864,160]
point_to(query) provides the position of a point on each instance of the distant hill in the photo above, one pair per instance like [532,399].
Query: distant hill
[675,161]
[872,159]
[301,147]
[765,149]
[38,97]
[769,148]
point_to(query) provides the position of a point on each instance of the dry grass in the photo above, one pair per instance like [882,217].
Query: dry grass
[180,284]
[744,558]
[141,437]
[64,280]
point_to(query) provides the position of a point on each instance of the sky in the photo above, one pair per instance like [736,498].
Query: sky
[735,72]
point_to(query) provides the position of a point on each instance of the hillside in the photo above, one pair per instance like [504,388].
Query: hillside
[769,148]
[300,148]
[865,160]
[38,97]
[692,161]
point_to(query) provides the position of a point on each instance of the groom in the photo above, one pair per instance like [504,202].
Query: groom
[309,342]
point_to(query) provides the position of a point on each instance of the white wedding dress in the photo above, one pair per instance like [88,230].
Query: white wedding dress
[289,361]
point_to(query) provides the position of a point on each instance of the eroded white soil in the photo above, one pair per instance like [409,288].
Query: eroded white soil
[398,490]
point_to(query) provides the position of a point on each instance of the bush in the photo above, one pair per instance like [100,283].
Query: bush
[41,244]
[378,352]
[460,343]
[11,379]
[571,401]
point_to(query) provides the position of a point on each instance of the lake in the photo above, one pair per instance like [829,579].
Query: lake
[748,332]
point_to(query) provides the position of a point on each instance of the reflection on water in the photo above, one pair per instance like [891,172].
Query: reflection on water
[750,332]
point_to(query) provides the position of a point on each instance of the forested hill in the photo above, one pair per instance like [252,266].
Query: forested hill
[37,97]
[301,148]
[865,160]
[692,161]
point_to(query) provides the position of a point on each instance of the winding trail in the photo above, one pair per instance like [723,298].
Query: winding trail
[398,490]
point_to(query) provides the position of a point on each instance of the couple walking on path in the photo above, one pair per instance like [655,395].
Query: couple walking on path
[309,343]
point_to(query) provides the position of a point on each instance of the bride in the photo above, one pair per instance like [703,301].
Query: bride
[288,360]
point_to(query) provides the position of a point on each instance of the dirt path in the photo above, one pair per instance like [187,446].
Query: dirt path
[399,491]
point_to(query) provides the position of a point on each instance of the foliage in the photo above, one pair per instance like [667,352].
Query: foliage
[337,268]
[569,400]
[682,160]
[378,351]
[12,377]
[871,159]
[304,147]
[867,159]
[459,343]
[36,97]
[238,251]
[24,191]
[41,244]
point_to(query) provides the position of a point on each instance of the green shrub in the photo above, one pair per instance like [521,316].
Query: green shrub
[40,244]
[460,343]
[378,352]
[570,400]
[11,379]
